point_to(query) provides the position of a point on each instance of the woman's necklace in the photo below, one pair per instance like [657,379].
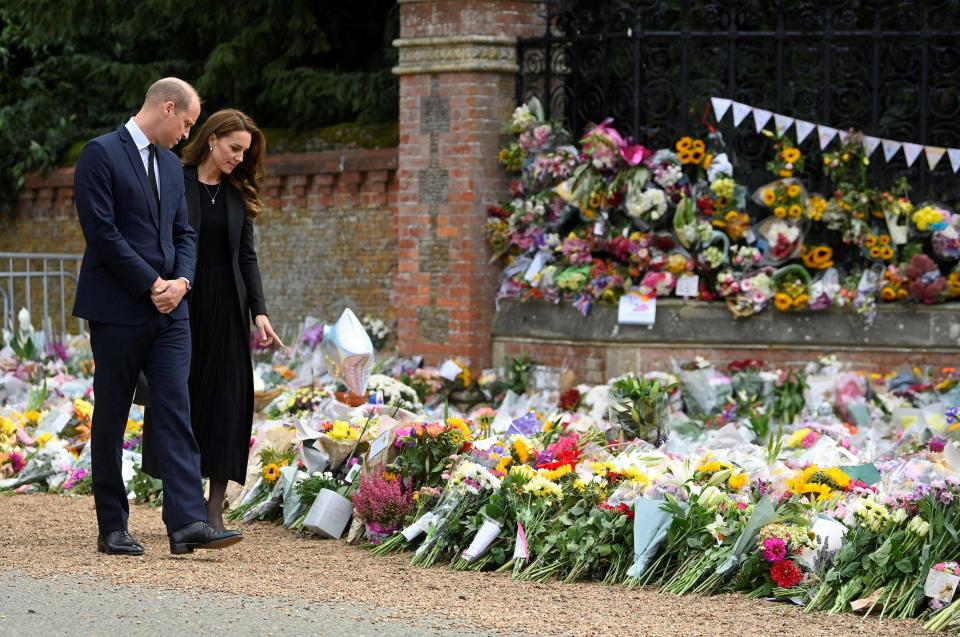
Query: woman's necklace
[213,197]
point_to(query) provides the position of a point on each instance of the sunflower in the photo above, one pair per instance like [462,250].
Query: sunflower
[870,241]
[596,199]
[791,155]
[683,144]
[780,212]
[698,146]
[795,211]
[793,190]
[886,252]
[696,156]
[801,301]
[684,156]
[769,196]
[888,294]
[875,252]
[782,301]
[885,239]
[271,472]
[707,161]
[784,172]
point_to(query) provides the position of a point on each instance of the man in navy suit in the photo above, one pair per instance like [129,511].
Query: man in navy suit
[137,267]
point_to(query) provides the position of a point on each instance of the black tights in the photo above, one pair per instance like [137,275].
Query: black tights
[218,489]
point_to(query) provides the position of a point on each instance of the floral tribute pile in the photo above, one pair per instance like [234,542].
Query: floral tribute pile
[590,221]
[824,486]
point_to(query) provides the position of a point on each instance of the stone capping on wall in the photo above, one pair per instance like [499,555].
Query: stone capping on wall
[918,328]
[318,179]
[455,54]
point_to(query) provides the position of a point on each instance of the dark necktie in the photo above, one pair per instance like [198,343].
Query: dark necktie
[151,174]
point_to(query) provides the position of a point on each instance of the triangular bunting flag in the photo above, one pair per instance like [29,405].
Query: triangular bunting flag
[782,122]
[843,135]
[804,128]
[890,148]
[760,117]
[870,144]
[720,106]
[826,135]
[740,112]
[911,152]
[934,155]
[954,155]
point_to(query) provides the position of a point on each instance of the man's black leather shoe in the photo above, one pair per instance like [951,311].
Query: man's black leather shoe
[200,535]
[118,543]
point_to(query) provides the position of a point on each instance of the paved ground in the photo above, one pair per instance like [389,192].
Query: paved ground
[276,583]
[83,605]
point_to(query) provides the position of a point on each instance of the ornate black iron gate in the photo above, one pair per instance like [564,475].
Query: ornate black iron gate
[889,68]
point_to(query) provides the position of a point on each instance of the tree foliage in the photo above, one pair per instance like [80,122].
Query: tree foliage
[72,69]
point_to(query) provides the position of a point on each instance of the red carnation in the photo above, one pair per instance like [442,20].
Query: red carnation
[785,574]
[570,399]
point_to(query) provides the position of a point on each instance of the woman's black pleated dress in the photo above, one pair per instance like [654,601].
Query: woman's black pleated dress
[221,373]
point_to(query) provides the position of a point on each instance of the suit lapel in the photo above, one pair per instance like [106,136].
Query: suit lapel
[137,164]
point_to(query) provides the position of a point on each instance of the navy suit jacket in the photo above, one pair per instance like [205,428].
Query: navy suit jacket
[129,242]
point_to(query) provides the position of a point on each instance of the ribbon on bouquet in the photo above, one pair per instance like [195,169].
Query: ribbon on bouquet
[827,134]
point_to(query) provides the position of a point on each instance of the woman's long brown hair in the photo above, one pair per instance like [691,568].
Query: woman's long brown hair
[248,175]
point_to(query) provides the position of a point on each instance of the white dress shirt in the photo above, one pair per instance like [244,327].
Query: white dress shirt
[142,142]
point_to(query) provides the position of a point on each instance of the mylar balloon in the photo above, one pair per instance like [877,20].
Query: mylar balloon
[348,352]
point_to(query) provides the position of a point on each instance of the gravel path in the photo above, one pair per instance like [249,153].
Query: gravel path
[49,536]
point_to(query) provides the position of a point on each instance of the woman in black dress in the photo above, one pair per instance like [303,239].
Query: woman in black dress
[223,169]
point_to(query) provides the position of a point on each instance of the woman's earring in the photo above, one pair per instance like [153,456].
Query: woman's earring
[211,146]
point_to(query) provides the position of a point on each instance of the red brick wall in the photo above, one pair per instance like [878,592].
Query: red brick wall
[451,128]
[595,363]
[326,238]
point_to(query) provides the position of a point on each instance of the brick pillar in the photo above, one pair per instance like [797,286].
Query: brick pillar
[457,88]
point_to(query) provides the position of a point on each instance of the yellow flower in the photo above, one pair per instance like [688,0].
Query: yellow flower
[886,253]
[870,241]
[458,423]
[271,473]
[698,146]
[782,301]
[780,212]
[786,173]
[795,211]
[555,474]
[683,144]
[596,199]
[793,190]
[838,477]
[522,471]
[521,449]
[7,426]
[796,438]
[82,409]
[800,301]
[504,464]
[32,416]
[738,481]
[43,439]
[875,252]
[636,475]
[791,155]
[769,196]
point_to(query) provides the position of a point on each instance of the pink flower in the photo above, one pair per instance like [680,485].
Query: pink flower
[810,439]
[635,154]
[774,549]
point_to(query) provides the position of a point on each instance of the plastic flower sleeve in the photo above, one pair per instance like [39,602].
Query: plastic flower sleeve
[762,515]
[650,525]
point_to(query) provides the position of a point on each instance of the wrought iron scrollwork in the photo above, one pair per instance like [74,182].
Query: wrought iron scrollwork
[891,69]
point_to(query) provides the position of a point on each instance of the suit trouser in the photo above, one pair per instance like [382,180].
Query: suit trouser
[161,348]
